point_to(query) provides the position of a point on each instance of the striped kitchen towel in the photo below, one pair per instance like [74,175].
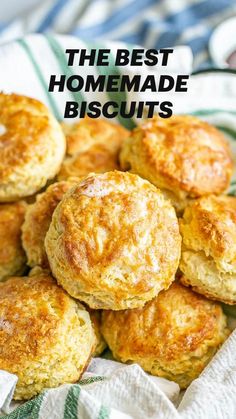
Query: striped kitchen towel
[126,392]
[118,392]
[151,23]
[27,64]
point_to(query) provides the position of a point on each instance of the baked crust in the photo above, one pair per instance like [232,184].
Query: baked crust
[181,154]
[114,241]
[37,221]
[32,146]
[12,255]
[173,336]
[46,337]
[88,132]
[93,145]
[208,259]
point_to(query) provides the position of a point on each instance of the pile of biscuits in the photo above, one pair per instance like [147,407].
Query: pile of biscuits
[110,237]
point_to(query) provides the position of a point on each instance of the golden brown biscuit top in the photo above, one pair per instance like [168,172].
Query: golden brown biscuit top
[38,219]
[176,322]
[11,220]
[98,158]
[88,132]
[113,227]
[32,310]
[209,225]
[185,153]
[25,125]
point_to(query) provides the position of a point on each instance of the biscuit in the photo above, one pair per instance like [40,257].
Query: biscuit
[208,260]
[32,146]
[84,134]
[183,156]
[173,336]
[92,146]
[37,221]
[99,158]
[12,255]
[114,241]
[95,316]
[46,337]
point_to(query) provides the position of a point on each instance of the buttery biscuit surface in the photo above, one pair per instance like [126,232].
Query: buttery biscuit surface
[46,338]
[37,221]
[182,155]
[93,145]
[173,336]
[208,259]
[114,241]
[12,255]
[32,146]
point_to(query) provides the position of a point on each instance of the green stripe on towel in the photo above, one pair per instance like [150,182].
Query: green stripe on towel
[227,130]
[59,53]
[40,76]
[104,413]
[71,403]
[206,112]
[91,380]
[29,410]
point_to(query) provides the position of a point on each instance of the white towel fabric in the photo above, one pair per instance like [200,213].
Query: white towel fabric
[7,388]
